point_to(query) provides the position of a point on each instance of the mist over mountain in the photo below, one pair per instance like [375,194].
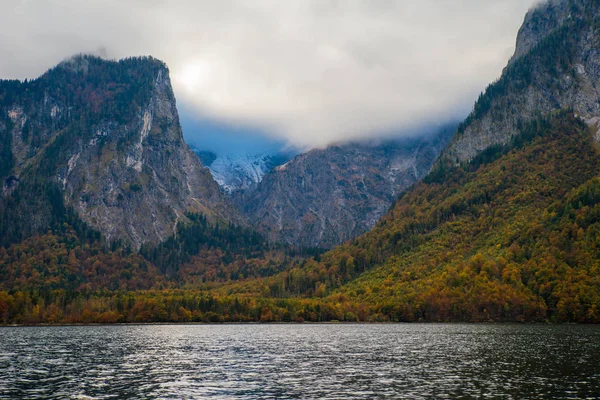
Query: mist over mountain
[224,139]
[308,73]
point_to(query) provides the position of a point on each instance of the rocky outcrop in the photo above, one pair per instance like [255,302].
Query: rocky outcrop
[556,65]
[540,21]
[108,134]
[327,196]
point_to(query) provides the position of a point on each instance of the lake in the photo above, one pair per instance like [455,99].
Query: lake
[413,361]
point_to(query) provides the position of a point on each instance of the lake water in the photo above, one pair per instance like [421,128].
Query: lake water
[443,361]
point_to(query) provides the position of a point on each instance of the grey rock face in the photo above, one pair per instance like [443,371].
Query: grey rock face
[556,65]
[140,192]
[132,177]
[326,197]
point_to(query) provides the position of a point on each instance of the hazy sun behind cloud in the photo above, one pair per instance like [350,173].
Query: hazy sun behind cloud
[309,72]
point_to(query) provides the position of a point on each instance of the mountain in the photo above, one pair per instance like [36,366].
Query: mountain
[327,196]
[240,171]
[505,227]
[556,65]
[102,139]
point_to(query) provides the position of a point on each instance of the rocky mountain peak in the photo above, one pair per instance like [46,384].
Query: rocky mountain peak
[556,65]
[108,134]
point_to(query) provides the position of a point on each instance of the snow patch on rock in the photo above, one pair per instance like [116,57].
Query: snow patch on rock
[241,171]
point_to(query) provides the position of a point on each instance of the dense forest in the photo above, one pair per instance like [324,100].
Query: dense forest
[511,236]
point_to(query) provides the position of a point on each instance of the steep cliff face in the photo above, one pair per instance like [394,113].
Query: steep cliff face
[556,65]
[107,134]
[325,197]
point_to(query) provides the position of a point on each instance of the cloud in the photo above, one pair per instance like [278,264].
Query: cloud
[310,72]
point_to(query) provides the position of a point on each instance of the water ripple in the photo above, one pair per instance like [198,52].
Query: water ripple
[415,361]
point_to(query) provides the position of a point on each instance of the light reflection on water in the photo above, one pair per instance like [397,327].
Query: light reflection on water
[444,361]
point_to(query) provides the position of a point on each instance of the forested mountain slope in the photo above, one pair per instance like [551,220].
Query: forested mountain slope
[66,276]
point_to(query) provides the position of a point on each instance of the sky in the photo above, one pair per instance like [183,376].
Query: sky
[300,73]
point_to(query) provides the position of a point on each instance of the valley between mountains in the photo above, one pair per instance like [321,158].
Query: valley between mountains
[107,215]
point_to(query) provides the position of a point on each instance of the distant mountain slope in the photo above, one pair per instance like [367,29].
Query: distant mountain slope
[556,65]
[104,138]
[325,197]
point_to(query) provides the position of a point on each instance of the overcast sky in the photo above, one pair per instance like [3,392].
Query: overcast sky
[305,72]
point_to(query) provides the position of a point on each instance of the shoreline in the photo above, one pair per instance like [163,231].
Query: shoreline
[292,323]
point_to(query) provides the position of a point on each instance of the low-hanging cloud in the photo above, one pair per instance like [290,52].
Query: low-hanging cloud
[309,72]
